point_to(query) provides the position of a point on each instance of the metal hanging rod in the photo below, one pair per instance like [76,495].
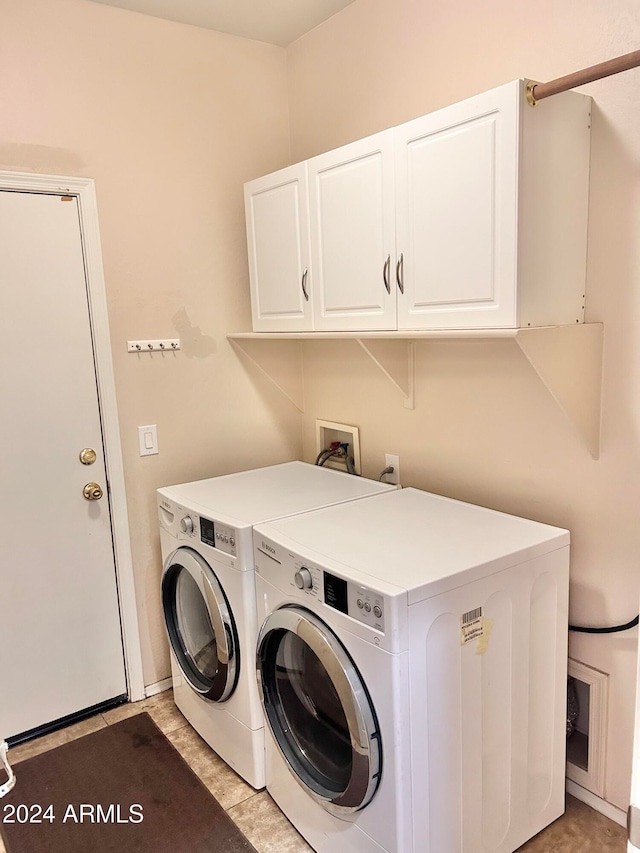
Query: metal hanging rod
[537,91]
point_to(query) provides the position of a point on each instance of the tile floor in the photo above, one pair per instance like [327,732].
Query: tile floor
[580,830]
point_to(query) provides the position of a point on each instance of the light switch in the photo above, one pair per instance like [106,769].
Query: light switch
[148,440]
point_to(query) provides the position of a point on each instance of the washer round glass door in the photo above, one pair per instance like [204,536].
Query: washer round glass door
[200,625]
[318,710]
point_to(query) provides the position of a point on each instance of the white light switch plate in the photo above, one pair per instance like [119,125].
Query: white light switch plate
[148,440]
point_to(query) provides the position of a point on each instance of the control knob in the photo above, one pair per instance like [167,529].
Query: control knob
[186,524]
[303,579]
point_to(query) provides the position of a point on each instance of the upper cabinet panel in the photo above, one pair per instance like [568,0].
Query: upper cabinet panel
[351,201]
[472,217]
[279,257]
[456,191]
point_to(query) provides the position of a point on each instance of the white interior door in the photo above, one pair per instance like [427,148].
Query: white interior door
[60,636]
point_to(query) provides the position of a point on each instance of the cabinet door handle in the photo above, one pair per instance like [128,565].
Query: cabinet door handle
[304,283]
[400,272]
[385,273]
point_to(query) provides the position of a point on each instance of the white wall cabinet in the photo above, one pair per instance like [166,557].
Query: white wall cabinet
[491,212]
[456,196]
[277,213]
[472,217]
[352,219]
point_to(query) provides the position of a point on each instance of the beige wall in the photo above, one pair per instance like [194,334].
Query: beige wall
[484,428]
[170,121]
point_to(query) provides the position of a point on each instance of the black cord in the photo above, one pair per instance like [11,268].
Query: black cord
[613,630]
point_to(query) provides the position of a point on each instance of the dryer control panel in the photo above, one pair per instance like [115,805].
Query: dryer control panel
[220,536]
[181,521]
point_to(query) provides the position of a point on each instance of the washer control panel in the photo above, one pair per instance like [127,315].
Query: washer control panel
[366,606]
[356,601]
[220,536]
[303,578]
[306,580]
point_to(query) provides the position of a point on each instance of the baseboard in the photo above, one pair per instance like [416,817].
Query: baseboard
[597,803]
[158,687]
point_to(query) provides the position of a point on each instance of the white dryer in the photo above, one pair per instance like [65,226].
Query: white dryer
[412,667]
[208,593]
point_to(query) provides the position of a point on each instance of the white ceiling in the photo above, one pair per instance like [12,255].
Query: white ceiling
[275,21]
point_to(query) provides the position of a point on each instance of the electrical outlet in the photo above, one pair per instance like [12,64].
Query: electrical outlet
[394,462]
[328,432]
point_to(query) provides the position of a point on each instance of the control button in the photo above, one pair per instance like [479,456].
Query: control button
[232,541]
[226,538]
[360,603]
[303,579]
[377,611]
[186,524]
[367,607]
[217,536]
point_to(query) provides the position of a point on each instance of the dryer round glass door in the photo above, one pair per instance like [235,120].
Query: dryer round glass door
[200,625]
[318,710]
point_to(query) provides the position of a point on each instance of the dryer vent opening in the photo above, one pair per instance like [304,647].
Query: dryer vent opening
[587,690]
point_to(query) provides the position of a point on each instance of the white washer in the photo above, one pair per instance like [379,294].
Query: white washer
[208,593]
[412,666]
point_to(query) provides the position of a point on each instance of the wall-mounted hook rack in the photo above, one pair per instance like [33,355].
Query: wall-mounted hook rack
[166,345]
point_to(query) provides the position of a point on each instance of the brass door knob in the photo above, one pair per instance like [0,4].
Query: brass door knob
[92,492]
[88,456]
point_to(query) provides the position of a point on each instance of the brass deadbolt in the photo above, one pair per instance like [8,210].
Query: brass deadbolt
[88,456]
[92,492]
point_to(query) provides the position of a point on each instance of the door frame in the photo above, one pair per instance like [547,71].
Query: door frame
[84,191]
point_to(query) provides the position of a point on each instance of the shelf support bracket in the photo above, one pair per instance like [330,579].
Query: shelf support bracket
[280,361]
[397,360]
[568,360]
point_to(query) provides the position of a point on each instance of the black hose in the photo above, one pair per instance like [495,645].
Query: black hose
[613,630]
[351,467]
[323,456]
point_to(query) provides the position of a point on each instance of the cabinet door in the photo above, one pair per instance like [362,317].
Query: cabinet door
[276,208]
[456,196]
[351,213]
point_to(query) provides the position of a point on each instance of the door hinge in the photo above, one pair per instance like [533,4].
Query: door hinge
[633,825]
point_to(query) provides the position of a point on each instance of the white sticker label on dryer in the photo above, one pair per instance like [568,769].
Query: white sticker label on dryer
[471,626]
